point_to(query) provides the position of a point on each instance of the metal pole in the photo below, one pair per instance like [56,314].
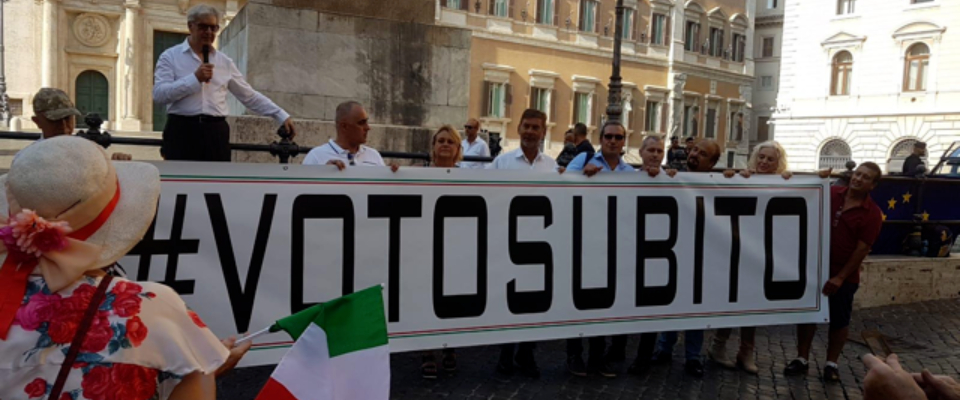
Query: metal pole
[4,100]
[615,97]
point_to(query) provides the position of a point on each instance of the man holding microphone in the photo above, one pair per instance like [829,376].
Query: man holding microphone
[192,79]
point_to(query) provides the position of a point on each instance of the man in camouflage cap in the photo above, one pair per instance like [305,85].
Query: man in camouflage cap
[54,113]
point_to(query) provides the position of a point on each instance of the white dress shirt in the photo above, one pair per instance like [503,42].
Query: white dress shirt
[515,159]
[176,86]
[366,156]
[478,148]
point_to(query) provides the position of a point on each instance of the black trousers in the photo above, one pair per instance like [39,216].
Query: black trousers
[196,138]
[598,347]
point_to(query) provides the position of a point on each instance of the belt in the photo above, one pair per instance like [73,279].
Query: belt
[198,118]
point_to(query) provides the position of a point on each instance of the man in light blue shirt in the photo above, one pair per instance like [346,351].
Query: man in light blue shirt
[612,139]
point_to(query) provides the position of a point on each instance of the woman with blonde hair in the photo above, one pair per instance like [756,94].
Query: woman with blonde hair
[446,151]
[768,158]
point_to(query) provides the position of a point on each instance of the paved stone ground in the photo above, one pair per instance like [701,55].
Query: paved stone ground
[925,335]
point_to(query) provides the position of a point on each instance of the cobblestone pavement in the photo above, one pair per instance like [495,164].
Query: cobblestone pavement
[925,335]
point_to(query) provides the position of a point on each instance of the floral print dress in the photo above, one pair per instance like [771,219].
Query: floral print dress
[141,343]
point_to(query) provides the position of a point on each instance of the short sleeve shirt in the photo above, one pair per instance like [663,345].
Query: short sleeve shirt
[366,156]
[859,224]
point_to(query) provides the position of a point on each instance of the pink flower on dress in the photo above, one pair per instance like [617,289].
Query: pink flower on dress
[27,235]
[38,310]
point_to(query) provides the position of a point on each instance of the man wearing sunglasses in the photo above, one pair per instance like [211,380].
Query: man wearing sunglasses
[612,139]
[192,79]
[474,145]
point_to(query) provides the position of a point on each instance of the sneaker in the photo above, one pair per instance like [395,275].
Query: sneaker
[605,370]
[718,354]
[796,367]
[831,374]
[528,366]
[575,366]
[449,361]
[661,357]
[694,368]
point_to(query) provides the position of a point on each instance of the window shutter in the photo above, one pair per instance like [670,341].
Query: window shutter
[465,5]
[511,8]
[556,14]
[666,30]
[663,117]
[486,99]
[583,6]
[636,25]
[491,6]
[553,106]
[443,3]
[596,18]
[507,99]
[539,11]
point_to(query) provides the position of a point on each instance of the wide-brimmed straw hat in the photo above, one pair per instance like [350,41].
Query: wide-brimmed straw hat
[71,180]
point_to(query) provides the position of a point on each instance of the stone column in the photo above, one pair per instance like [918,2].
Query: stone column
[743,148]
[131,77]
[676,113]
[48,50]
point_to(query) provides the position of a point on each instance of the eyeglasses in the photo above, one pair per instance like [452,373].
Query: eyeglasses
[208,27]
[469,128]
[613,137]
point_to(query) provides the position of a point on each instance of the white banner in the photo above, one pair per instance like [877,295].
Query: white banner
[480,257]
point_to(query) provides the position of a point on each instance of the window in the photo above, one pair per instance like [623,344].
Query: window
[691,41]
[771,4]
[588,15]
[767,47]
[766,82]
[763,129]
[540,99]
[902,150]
[658,30]
[917,65]
[455,4]
[496,99]
[716,42]
[845,7]
[545,12]
[835,154]
[652,123]
[739,47]
[583,109]
[842,68]
[736,125]
[628,22]
[15,107]
[499,8]
[691,125]
[711,131]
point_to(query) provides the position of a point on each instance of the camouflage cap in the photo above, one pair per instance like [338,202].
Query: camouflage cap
[54,104]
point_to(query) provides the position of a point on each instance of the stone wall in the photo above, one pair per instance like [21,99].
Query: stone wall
[886,280]
[308,56]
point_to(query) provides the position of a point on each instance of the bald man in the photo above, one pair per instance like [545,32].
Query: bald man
[473,145]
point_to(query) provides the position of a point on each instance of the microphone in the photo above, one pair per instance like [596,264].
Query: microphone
[206,54]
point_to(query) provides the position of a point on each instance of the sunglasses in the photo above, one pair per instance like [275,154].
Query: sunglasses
[613,137]
[208,27]
[469,128]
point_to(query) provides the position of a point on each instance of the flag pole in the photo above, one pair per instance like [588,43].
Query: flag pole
[255,335]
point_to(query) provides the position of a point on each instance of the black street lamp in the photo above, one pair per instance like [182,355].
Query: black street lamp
[615,96]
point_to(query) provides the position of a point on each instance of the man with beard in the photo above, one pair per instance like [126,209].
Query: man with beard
[703,155]
[532,128]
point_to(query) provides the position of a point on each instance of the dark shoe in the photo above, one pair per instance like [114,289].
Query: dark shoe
[449,362]
[603,369]
[575,366]
[428,368]
[638,367]
[661,357]
[831,374]
[528,367]
[694,368]
[796,367]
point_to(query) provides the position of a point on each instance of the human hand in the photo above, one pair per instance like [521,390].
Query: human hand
[394,167]
[340,165]
[288,125]
[561,169]
[886,379]
[121,157]
[204,73]
[746,173]
[591,170]
[653,171]
[729,173]
[671,173]
[787,175]
[937,387]
[833,285]
[236,354]
[825,173]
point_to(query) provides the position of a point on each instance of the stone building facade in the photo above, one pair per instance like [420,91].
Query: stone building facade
[863,80]
[769,38]
[687,67]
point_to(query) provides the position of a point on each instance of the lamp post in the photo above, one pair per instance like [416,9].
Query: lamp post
[615,96]
[4,100]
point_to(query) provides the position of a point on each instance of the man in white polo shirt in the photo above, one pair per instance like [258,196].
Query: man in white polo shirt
[474,145]
[533,126]
[348,148]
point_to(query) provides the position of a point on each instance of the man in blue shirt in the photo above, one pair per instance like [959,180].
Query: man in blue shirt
[612,138]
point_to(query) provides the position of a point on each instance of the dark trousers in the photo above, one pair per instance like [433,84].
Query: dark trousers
[524,351]
[648,343]
[196,138]
[598,347]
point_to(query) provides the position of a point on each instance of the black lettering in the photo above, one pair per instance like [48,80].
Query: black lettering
[530,253]
[735,207]
[394,207]
[698,254]
[656,249]
[789,290]
[596,298]
[320,206]
[462,305]
[241,298]
[172,248]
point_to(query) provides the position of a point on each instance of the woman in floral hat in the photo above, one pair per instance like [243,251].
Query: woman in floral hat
[68,330]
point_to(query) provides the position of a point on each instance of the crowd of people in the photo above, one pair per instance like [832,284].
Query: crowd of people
[72,327]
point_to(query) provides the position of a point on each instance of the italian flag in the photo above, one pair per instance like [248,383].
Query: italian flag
[341,352]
